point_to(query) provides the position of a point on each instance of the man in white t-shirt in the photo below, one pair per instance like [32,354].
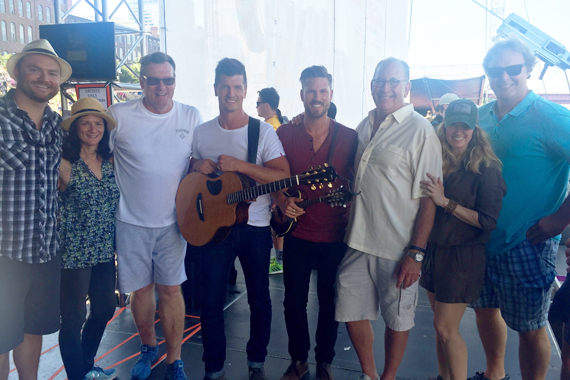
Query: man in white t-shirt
[221,145]
[151,147]
[390,221]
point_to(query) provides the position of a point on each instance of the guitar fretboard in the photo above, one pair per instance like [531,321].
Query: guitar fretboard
[256,191]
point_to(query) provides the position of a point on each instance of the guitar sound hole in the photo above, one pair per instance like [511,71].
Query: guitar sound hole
[214,187]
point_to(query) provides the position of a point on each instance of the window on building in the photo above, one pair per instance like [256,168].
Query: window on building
[48,15]
[28,10]
[30,34]
[4,37]
[40,12]
[13,32]
[22,35]
[11,6]
[20,8]
[2,6]
[121,53]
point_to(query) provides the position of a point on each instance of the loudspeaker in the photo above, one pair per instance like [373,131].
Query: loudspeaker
[88,47]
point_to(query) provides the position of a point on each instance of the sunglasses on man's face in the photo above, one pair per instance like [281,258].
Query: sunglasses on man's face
[258,104]
[497,72]
[152,81]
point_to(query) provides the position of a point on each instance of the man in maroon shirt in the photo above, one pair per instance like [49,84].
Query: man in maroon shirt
[319,233]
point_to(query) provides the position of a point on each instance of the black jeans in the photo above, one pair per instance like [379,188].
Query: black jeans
[252,245]
[78,349]
[298,258]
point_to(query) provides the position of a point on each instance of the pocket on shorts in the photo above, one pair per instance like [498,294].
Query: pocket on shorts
[536,267]
[408,301]
[14,155]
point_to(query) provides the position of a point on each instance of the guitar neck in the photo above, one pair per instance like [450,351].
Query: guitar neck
[256,191]
[309,202]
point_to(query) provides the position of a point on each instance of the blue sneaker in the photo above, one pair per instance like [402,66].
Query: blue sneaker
[98,373]
[141,369]
[175,371]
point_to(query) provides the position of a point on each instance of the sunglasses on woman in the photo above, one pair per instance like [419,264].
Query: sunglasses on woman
[512,71]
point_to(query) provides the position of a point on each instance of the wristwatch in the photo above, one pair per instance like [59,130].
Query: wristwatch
[416,255]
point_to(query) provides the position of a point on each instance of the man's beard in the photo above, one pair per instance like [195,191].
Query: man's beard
[30,93]
[317,115]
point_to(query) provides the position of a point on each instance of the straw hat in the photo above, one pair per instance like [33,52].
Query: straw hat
[39,47]
[86,107]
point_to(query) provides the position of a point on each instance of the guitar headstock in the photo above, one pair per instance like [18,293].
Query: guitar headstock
[338,197]
[318,176]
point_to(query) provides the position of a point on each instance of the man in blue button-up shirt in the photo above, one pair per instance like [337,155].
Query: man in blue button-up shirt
[531,136]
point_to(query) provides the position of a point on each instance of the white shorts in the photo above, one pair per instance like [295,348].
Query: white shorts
[149,255]
[366,284]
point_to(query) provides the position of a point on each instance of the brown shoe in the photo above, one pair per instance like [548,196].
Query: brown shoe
[324,371]
[296,370]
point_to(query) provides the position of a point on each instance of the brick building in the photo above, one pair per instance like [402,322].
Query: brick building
[20,21]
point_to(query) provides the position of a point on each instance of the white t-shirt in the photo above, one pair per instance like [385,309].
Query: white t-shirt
[211,141]
[152,155]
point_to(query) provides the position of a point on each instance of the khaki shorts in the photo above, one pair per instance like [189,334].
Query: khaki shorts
[366,284]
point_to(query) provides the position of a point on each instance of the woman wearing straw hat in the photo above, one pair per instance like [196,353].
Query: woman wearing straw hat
[88,197]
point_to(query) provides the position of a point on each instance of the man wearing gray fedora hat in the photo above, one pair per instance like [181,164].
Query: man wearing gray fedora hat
[30,153]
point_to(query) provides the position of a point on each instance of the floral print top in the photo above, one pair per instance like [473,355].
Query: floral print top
[87,224]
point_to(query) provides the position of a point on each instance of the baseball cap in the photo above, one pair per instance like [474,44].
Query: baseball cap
[461,110]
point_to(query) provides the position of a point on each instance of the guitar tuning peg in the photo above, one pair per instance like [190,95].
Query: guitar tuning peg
[318,167]
[326,165]
[313,187]
[309,182]
[317,181]
[332,204]
[321,186]
[310,168]
[344,205]
[330,185]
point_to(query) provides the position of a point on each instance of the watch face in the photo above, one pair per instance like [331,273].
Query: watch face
[419,257]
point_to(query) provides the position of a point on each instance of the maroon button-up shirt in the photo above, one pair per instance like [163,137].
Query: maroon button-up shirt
[321,222]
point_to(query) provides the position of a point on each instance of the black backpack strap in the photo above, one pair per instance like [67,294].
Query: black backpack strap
[333,143]
[252,139]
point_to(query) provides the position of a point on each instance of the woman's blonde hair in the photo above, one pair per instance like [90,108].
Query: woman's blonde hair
[479,152]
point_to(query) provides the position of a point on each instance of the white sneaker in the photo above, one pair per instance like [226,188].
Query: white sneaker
[366,377]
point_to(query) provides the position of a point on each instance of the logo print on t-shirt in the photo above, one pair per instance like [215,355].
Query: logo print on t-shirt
[183,133]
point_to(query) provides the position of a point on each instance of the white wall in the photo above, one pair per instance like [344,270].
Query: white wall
[276,40]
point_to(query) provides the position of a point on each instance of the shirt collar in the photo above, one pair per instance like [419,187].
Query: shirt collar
[12,107]
[399,115]
[528,100]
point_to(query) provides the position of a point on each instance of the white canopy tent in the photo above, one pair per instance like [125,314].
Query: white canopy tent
[276,40]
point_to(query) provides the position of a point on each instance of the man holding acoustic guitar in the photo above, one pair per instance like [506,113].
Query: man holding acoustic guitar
[319,231]
[221,145]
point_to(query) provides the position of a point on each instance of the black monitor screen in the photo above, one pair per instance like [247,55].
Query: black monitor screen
[88,47]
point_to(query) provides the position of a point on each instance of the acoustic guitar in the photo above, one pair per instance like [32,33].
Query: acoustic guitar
[282,224]
[207,208]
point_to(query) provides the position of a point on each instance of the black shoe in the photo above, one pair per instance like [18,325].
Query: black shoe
[257,374]
[481,376]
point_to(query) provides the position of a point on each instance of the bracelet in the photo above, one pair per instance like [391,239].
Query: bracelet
[416,248]
[450,206]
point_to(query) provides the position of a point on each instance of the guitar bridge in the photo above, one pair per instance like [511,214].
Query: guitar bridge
[199,207]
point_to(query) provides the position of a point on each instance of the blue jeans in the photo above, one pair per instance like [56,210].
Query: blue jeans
[252,245]
[298,258]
